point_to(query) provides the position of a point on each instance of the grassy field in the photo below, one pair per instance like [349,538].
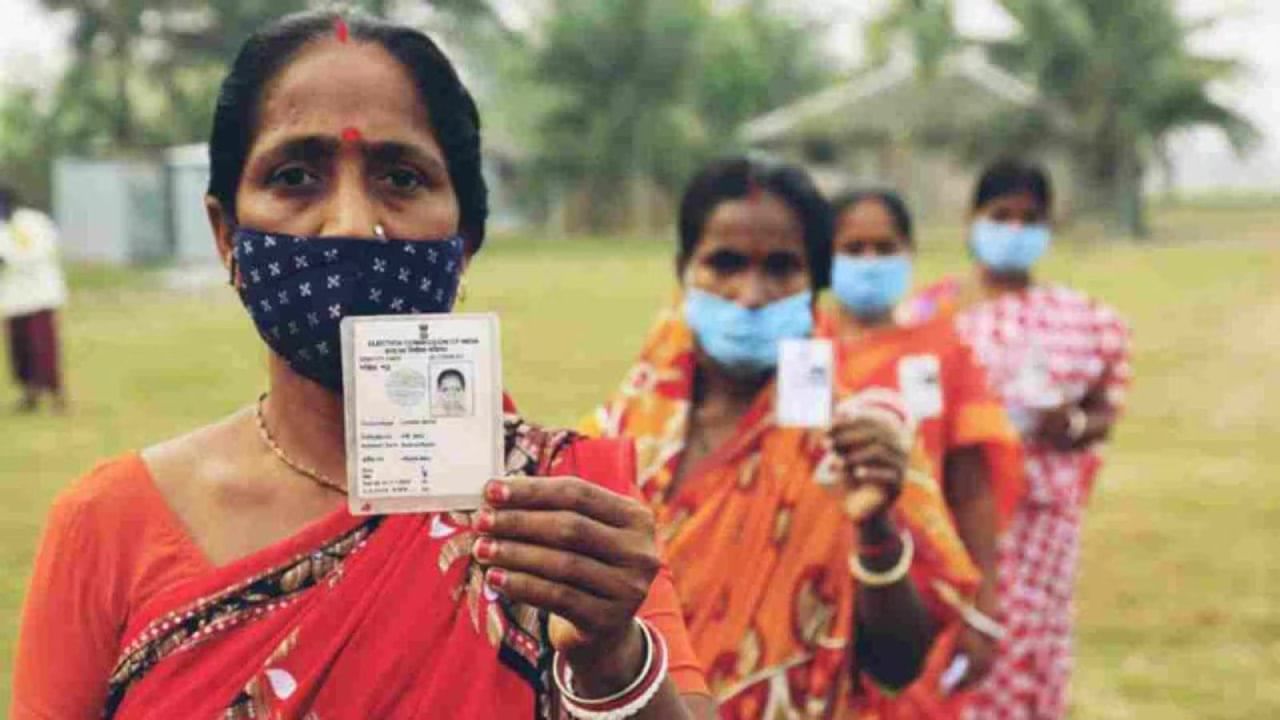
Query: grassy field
[1178,600]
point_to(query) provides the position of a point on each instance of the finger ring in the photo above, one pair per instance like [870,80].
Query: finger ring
[860,472]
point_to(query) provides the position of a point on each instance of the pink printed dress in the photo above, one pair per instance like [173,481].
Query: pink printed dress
[1041,348]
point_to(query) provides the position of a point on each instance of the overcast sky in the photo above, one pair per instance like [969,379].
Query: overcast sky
[31,43]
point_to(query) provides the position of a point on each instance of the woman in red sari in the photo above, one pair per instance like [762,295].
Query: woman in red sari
[219,574]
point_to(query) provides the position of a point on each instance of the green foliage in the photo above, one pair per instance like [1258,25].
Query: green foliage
[1118,79]
[143,75]
[619,70]
[1125,75]
[646,90]
[754,59]
[598,98]
[927,26]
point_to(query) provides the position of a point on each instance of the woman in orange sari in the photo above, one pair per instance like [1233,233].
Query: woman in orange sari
[753,514]
[968,441]
[219,574]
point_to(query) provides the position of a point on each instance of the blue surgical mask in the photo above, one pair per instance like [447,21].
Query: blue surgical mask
[298,289]
[745,340]
[1005,247]
[870,286]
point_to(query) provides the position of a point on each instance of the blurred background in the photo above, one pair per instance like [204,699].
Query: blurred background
[1159,120]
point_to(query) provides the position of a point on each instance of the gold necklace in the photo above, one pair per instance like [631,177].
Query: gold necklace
[311,473]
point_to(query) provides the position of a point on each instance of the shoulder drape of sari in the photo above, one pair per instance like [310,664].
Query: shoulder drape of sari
[970,414]
[360,617]
[938,300]
[758,548]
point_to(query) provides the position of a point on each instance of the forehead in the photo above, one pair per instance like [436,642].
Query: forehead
[330,85]
[761,223]
[867,217]
[1017,200]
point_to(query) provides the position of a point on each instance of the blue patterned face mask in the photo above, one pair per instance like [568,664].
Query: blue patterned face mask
[745,340]
[870,286]
[298,289]
[1005,247]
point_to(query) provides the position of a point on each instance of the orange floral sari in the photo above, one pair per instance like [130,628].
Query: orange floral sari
[760,550]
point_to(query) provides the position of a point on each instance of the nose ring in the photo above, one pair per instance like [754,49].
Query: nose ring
[379,232]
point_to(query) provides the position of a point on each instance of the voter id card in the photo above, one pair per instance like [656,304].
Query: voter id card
[920,381]
[806,372]
[423,397]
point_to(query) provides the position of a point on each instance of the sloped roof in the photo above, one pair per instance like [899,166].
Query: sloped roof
[894,98]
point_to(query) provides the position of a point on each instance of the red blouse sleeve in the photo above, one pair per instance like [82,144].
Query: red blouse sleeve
[110,542]
[611,463]
[72,616]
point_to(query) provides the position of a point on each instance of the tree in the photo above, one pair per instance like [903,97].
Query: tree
[1125,74]
[143,75]
[927,27]
[641,92]
[755,58]
[1121,72]
[619,69]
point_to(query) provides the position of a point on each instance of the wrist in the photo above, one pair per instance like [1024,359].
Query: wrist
[886,569]
[1077,424]
[987,598]
[603,668]
[877,529]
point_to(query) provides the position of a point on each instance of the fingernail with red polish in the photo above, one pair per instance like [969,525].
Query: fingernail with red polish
[496,578]
[498,491]
[485,548]
[484,520]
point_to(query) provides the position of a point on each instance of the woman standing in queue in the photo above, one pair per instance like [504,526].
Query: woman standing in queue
[1059,360]
[219,574]
[971,447]
[794,608]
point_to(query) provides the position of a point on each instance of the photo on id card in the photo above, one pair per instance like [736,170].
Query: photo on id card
[423,399]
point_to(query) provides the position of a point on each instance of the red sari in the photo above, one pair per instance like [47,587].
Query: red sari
[366,617]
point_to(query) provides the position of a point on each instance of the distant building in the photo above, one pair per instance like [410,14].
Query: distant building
[891,127]
[110,211]
[135,211]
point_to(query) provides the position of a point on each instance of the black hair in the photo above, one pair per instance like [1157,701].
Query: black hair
[1008,177]
[451,373]
[892,202]
[453,113]
[738,177]
[8,201]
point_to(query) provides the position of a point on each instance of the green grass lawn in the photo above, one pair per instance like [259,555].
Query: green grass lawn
[1178,610]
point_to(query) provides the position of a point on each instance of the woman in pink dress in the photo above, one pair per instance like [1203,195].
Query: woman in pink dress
[1059,360]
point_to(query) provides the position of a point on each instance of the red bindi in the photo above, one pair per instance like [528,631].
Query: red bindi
[350,135]
[341,30]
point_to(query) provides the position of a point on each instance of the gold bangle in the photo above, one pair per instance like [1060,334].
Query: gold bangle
[871,578]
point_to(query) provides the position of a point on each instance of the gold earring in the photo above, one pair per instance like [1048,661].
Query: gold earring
[379,232]
[462,291]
